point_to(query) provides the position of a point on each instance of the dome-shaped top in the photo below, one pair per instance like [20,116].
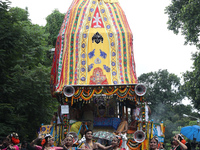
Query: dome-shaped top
[94,46]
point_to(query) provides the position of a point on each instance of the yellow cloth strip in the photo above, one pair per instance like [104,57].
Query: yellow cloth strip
[142,145]
[151,130]
[147,146]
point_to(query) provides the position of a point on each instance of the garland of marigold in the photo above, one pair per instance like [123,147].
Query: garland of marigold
[132,90]
[98,92]
[123,93]
[143,115]
[112,92]
[89,97]
[77,96]
[130,94]
[77,91]
[66,125]
[87,94]
[87,91]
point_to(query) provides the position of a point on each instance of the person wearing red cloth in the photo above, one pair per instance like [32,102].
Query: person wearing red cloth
[47,143]
[11,141]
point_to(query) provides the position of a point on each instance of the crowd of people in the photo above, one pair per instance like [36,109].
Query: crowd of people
[118,142]
[178,143]
[12,142]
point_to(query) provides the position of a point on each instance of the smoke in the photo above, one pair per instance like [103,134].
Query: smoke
[159,112]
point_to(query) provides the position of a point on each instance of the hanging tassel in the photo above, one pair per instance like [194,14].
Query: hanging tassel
[72,100]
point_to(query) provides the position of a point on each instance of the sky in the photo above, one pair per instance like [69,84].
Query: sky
[155,47]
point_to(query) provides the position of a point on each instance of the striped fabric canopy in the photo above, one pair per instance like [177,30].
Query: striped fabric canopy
[94,46]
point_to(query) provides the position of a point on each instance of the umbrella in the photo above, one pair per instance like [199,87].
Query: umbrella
[103,135]
[191,132]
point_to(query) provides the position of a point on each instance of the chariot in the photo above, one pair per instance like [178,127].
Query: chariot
[93,71]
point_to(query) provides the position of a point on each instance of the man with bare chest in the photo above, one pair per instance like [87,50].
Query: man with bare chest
[90,145]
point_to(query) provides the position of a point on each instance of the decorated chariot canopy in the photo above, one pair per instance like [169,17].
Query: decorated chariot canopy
[94,51]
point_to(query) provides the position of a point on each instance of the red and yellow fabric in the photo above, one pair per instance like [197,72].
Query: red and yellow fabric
[94,46]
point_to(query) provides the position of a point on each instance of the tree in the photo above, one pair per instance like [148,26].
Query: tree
[25,100]
[164,96]
[19,14]
[192,82]
[163,91]
[54,22]
[184,16]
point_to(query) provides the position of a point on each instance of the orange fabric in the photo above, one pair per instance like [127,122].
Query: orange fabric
[120,142]
[145,144]
[183,141]
[43,142]
[163,130]
[158,145]
[15,141]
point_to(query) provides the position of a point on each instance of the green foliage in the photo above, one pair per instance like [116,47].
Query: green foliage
[164,97]
[163,91]
[191,123]
[19,14]
[192,82]
[54,22]
[184,15]
[25,100]
[181,109]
